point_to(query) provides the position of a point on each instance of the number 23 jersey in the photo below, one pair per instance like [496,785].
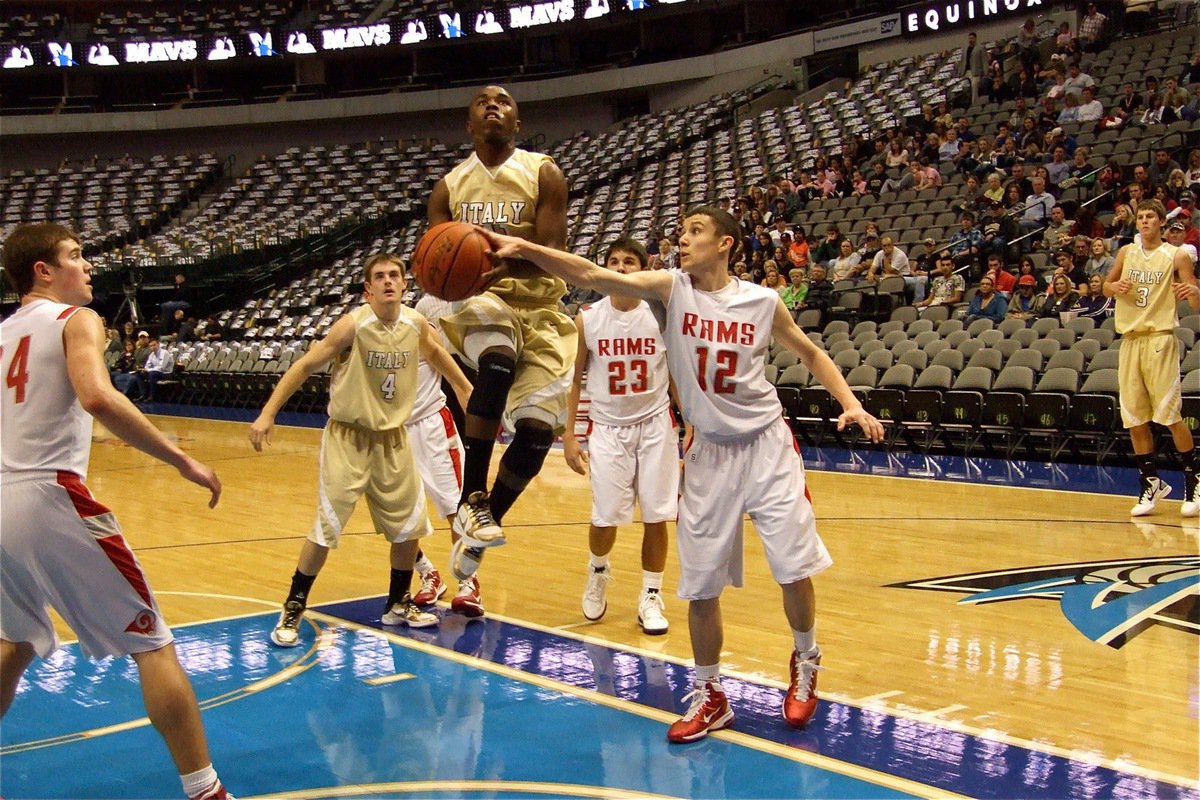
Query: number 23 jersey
[626,363]
[716,348]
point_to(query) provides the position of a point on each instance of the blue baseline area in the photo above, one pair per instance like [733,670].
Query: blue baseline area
[442,721]
[922,752]
[901,464]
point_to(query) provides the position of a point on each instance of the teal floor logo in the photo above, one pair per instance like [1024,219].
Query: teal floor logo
[1109,602]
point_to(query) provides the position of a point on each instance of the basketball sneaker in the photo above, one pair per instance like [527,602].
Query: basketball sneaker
[709,711]
[215,792]
[1191,504]
[800,702]
[1153,490]
[464,560]
[432,588]
[287,630]
[405,612]
[650,613]
[468,601]
[595,602]
[475,524]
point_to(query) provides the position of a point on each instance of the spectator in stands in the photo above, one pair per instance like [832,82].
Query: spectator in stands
[1081,251]
[798,251]
[944,117]
[1030,133]
[964,246]
[1161,167]
[1038,205]
[996,90]
[1027,40]
[847,265]
[1191,175]
[1076,81]
[998,230]
[112,348]
[1056,137]
[1002,280]
[1136,191]
[1175,100]
[897,156]
[1086,224]
[1062,297]
[1177,188]
[1177,237]
[877,180]
[827,250]
[795,292]
[1090,109]
[125,374]
[820,291]
[1025,304]
[1130,103]
[128,333]
[925,261]
[1099,260]
[1187,216]
[1070,110]
[1059,168]
[1027,267]
[974,59]
[1122,228]
[141,350]
[1013,199]
[1064,264]
[179,299]
[987,303]
[666,257]
[1092,303]
[158,364]
[1153,113]
[993,189]
[1191,73]
[971,197]
[187,331]
[1092,30]
[889,261]
[1080,171]
[1063,39]
[946,288]
[772,279]
[928,176]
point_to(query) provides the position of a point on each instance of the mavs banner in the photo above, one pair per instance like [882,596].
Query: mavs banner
[1109,602]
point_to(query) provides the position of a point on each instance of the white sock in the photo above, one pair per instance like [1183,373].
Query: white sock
[651,580]
[806,641]
[708,674]
[198,782]
[424,566]
[598,562]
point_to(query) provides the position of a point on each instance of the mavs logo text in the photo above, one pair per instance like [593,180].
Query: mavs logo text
[1109,602]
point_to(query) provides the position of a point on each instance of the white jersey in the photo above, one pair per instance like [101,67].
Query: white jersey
[716,347]
[430,397]
[42,425]
[627,364]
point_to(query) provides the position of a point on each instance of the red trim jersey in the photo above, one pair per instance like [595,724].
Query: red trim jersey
[627,374]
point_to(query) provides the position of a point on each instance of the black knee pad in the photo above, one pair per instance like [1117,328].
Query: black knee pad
[490,395]
[530,444]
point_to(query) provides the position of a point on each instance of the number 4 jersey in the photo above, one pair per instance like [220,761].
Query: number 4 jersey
[42,424]
[716,347]
[374,383]
[627,363]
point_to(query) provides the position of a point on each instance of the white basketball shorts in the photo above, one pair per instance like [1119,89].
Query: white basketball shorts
[438,453]
[62,549]
[762,476]
[629,462]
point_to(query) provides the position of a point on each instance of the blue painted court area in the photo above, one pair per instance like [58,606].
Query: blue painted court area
[482,709]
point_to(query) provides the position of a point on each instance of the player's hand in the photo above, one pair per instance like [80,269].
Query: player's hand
[202,475]
[576,458]
[1185,291]
[260,431]
[872,427]
[1121,287]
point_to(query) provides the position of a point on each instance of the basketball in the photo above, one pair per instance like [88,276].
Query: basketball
[450,261]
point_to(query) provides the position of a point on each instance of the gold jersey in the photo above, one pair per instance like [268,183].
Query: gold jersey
[1150,305]
[374,383]
[505,199]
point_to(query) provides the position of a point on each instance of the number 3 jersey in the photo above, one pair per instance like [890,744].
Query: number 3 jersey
[374,383]
[1150,305]
[42,424]
[627,364]
[716,347]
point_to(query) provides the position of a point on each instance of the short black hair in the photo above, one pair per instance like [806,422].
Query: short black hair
[629,245]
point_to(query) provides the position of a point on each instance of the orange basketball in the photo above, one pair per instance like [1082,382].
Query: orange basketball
[450,261]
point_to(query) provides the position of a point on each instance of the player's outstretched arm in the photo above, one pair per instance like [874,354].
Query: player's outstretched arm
[576,458]
[1185,287]
[577,270]
[340,337]
[788,333]
[83,343]
[438,358]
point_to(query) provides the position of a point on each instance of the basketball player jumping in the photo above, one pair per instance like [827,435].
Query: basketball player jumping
[717,333]
[60,546]
[1147,281]
[513,333]
[364,447]
[633,443]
